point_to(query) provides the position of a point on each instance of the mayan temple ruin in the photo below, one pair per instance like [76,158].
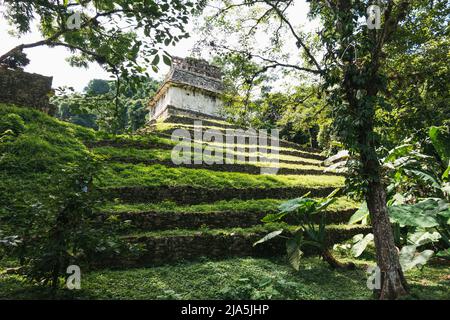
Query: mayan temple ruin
[191,88]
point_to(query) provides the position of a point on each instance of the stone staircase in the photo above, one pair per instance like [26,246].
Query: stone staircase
[178,216]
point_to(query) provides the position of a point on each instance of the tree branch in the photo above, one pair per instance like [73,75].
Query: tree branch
[300,42]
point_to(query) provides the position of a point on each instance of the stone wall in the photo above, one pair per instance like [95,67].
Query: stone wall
[192,85]
[26,89]
[189,195]
[198,66]
[165,249]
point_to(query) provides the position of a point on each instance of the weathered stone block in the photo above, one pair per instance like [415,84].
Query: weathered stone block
[26,89]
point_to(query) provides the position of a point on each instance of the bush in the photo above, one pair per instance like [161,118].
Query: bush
[13,122]
[46,196]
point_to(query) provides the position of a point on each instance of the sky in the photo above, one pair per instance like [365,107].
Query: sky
[52,61]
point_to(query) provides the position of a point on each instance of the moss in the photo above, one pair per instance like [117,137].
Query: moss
[249,206]
[33,164]
[265,228]
[238,278]
[167,127]
[12,122]
[110,152]
[120,175]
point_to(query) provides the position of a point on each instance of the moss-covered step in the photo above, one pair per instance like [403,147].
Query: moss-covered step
[154,220]
[139,154]
[284,147]
[166,129]
[222,214]
[157,141]
[196,195]
[283,169]
[131,175]
[175,245]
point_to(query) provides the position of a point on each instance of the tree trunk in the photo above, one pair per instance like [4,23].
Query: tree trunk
[393,283]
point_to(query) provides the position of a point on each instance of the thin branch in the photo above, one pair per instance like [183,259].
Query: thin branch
[272,61]
[54,37]
[300,42]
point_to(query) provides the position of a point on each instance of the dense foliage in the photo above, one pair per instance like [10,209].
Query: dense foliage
[124,37]
[48,200]
[109,106]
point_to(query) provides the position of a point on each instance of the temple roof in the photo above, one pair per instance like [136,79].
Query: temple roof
[193,73]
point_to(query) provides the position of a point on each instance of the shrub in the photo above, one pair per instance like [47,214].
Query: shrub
[13,122]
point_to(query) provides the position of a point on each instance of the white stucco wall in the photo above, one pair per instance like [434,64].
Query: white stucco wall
[188,99]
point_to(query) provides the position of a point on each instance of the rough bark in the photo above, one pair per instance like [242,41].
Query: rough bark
[393,283]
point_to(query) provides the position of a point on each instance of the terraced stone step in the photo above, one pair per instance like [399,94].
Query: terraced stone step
[125,143]
[282,143]
[154,220]
[117,143]
[206,121]
[164,247]
[237,167]
[195,195]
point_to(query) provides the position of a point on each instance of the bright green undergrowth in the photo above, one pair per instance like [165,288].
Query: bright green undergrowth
[33,162]
[120,174]
[257,229]
[146,138]
[250,206]
[236,278]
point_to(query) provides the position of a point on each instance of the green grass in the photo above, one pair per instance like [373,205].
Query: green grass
[112,153]
[257,229]
[165,155]
[120,175]
[147,138]
[167,126]
[237,278]
[249,206]
[134,153]
[34,163]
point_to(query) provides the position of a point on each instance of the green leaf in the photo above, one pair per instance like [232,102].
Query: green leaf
[425,177]
[167,60]
[446,189]
[155,61]
[360,214]
[268,237]
[302,204]
[361,243]
[440,137]
[422,214]
[422,237]
[398,152]
[293,249]
[410,259]
[444,254]
[273,217]
[445,214]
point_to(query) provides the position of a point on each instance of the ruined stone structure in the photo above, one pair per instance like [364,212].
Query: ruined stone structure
[191,88]
[26,89]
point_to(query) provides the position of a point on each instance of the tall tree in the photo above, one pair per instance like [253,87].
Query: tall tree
[123,36]
[100,107]
[349,59]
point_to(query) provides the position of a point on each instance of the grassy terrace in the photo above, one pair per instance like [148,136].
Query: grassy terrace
[235,278]
[112,153]
[150,138]
[167,128]
[248,206]
[258,229]
[121,175]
